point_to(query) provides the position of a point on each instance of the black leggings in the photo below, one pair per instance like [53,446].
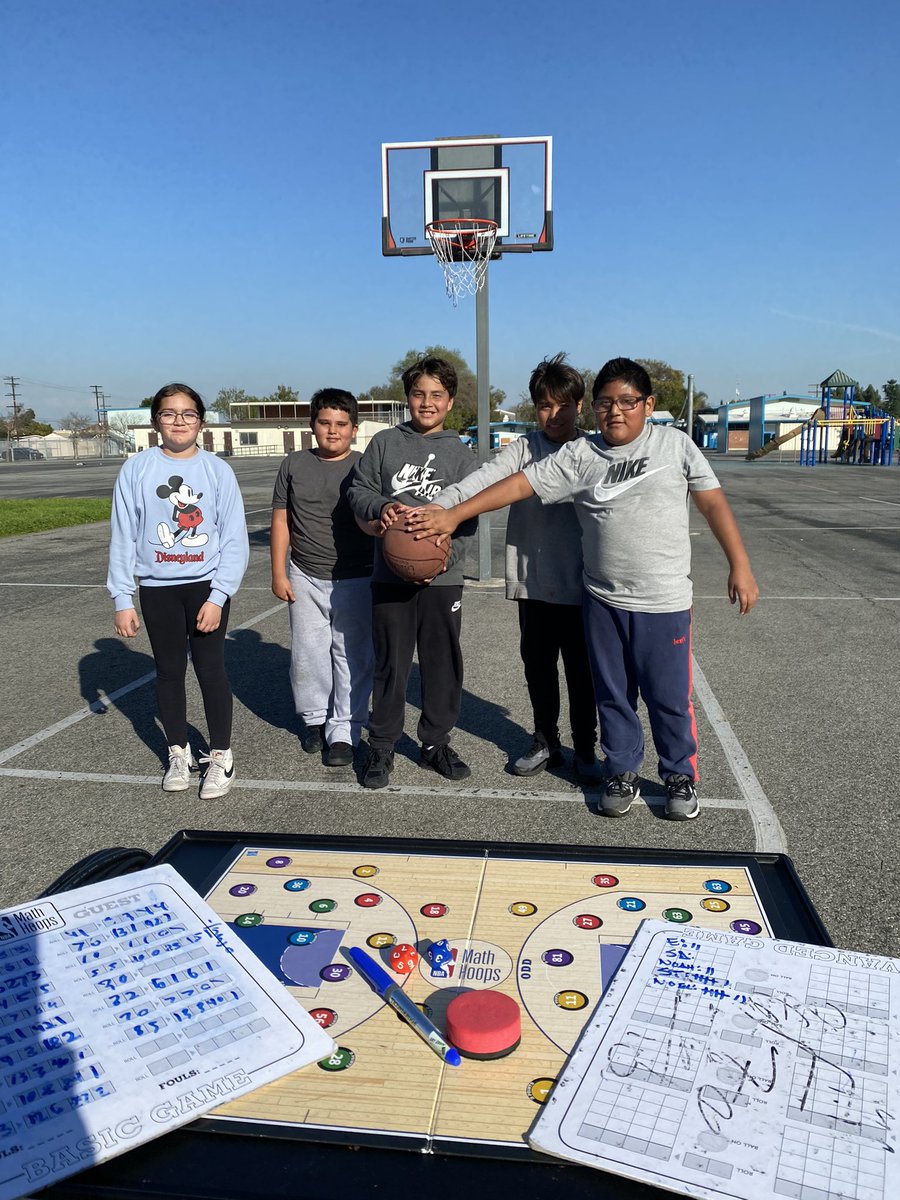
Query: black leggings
[170,614]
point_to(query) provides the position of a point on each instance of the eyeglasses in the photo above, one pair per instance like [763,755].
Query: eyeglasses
[167,417]
[625,403]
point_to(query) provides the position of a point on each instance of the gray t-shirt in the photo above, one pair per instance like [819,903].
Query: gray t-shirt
[632,502]
[326,542]
[543,542]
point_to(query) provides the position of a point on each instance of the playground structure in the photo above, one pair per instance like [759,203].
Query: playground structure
[851,431]
[840,429]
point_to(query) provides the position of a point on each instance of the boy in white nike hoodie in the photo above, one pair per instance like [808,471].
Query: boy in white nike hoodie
[630,487]
[406,466]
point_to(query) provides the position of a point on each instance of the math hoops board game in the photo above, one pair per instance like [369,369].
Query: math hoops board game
[547,926]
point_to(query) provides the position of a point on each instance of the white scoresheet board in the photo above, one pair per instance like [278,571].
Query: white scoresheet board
[128,1008]
[718,1065]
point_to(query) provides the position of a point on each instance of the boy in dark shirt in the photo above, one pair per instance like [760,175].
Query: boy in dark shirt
[407,466]
[326,581]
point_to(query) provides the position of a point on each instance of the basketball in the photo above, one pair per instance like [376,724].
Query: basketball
[414,561]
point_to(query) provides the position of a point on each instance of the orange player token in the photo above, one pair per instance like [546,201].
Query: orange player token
[484,1024]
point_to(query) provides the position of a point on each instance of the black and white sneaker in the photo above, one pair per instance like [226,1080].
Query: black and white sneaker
[537,758]
[619,794]
[681,798]
[445,761]
[219,774]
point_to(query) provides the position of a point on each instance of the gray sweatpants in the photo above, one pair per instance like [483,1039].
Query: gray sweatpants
[331,653]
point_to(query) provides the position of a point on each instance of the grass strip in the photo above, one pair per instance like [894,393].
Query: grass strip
[54,512]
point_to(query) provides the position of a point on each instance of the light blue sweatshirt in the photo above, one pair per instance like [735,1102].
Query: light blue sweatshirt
[176,520]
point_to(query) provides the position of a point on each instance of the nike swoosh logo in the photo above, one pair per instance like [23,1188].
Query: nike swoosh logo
[602,492]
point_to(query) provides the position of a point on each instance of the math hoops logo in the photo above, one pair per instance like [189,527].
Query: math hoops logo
[472,964]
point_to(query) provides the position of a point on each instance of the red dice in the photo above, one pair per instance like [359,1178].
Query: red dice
[403,958]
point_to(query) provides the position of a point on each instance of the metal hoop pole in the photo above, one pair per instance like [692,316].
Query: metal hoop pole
[483,377]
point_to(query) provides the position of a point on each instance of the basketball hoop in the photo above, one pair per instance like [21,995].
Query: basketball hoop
[463,246]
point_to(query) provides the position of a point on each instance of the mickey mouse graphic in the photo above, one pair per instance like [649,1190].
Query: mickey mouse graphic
[186,516]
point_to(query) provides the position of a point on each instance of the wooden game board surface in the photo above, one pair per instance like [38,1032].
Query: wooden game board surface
[542,931]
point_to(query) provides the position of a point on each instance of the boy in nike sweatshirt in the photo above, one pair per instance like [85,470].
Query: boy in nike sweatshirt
[405,467]
[630,487]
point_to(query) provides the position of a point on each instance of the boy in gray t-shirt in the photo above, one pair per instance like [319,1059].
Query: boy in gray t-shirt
[322,565]
[630,487]
[544,577]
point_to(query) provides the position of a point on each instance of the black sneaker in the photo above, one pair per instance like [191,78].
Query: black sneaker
[312,739]
[537,758]
[681,798]
[378,768]
[619,794]
[445,761]
[338,754]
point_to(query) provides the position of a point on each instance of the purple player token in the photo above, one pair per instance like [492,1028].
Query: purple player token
[751,928]
[242,889]
[334,972]
[280,860]
[557,958]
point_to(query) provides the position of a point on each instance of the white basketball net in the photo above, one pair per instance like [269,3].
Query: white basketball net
[463,247]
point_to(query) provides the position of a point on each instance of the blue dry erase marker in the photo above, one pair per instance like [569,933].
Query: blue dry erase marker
[394,995]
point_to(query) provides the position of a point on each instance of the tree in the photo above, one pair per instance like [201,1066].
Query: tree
[79,426]
[121,424]
[465,407]
[282,395]
[229,396]
[892,397]
[868,395]
[669,386]
[146,402]
[24,425]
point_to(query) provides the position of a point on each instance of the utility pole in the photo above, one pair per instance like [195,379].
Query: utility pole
[689,426]
[12,380]
[101,415]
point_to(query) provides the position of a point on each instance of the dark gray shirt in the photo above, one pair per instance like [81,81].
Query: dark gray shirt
[414,468]
[326,542]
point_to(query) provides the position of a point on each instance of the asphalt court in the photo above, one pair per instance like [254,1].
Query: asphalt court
[795,705]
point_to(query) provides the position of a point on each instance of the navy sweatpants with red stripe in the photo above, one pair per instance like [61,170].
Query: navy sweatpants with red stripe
[646,654]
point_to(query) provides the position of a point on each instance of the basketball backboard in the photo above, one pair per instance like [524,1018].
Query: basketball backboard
[506,180]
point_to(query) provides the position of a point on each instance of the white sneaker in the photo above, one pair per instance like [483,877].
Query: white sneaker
[219,774]
[178,773]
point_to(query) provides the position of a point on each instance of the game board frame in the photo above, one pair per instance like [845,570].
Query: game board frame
[209,1157]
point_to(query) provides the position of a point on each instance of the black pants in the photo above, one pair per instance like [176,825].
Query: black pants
[546,631]
[427,619]
[170,614]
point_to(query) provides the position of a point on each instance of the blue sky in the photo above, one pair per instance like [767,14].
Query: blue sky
[192,190]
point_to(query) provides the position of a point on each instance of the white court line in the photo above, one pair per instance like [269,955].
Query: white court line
[769,834]
[43,734]
[576,796]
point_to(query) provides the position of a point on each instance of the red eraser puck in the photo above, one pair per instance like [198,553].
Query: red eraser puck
[483,1024]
